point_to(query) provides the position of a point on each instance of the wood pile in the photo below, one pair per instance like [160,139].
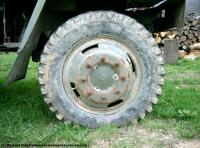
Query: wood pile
[190,34]
[188,37]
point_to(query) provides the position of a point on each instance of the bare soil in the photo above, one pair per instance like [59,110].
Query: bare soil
[145,138]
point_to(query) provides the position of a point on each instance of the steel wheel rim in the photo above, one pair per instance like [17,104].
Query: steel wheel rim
[102,75]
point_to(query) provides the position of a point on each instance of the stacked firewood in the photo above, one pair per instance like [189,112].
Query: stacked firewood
[161,36]
[188,37]
[190,33]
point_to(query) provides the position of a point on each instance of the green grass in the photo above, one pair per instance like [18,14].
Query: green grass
[25,118]
[180,101]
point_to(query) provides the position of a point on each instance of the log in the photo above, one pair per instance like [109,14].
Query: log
[182,54]
[194,40]
[191,36]
[195,46]
[183,38]
[158,39]
[164,34]
[195,22]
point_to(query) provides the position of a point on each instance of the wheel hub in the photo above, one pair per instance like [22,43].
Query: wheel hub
[101,75]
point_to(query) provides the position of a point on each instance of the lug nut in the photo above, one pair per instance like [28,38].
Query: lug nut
[116,65]
[123,78]
[89,65]
[87,93]
[83,80]
[117,92]
[103,60]
[104,99]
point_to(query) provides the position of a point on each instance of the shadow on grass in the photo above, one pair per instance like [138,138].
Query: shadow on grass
[25,118]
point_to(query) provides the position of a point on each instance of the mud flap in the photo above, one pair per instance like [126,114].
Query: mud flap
[27,45]
[20,67]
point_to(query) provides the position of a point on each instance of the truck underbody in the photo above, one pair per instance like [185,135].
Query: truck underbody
[32,34]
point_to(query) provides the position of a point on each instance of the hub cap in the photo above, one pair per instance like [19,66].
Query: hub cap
[102,75]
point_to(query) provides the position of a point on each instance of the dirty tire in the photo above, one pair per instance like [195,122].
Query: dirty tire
[78,30]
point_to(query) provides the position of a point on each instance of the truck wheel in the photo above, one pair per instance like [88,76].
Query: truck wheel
[101,68]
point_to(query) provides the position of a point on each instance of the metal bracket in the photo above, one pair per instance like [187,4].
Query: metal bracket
[32,23]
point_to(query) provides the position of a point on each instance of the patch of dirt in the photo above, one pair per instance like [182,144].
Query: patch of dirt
[138,136]
[188,144]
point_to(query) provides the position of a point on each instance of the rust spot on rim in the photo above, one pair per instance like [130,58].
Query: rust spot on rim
[89,65]
[103,60]
[123,78]
[116,65]
[117,92]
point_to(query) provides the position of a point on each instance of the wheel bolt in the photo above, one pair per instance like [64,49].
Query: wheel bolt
[103,60]
[123,78]
[87,93]
[89,65]
[83,80]
[117,92]
[116,65]
[104,99]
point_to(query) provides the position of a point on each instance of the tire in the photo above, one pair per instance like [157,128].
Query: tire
[105,36]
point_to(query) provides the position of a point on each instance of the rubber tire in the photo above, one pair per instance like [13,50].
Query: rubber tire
[88,25]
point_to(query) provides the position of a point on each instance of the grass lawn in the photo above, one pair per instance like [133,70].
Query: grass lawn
[25,118]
